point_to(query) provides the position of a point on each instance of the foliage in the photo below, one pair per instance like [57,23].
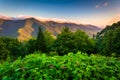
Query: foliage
[64,42]
[52,53]
[40,41]
[30,45]
[108,40]
[83,42]
[79,66]
[11,47]
[49,40]
[4,52]
[69,41]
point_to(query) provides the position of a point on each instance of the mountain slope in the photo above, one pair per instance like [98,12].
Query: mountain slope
[109,28]
[24,29]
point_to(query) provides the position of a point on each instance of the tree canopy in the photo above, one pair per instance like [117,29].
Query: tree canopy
[69,41]
[108,40]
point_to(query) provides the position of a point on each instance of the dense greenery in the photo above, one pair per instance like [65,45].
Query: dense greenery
[65,42]
[49,40]
[47,58]
[108,40]
[11,47]
[40,41]
[83,42]
[79,66]
[69,41]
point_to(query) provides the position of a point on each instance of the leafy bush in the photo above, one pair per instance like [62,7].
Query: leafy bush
[78,66]
[52,53]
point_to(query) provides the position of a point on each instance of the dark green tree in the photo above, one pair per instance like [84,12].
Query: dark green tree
[13,46]
[40,41]
[4,52]
[83,42]
[64,42]
[30,45]
[49,40]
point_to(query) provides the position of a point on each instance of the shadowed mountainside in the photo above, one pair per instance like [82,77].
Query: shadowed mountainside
[27,28]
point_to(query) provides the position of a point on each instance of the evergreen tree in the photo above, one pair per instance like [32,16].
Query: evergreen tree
[64,42]
[49,40]
[30,45]
[40,41]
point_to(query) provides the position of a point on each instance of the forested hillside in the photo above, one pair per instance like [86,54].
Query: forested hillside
[108,40]
[71,55]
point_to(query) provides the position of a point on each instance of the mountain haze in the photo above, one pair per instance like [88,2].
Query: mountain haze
[26,28]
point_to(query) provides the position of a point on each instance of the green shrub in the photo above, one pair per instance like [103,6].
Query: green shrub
[78,66]
[52,53]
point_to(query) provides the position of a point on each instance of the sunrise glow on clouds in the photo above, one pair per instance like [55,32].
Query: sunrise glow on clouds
[95,12]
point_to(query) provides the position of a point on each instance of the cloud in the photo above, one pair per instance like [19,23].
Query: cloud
[105,4]
[24,17]
[21,17]
[48,19]
[97,6]
[44,19]
[5,17]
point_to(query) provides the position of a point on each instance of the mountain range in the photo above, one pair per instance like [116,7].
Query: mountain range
[25,28]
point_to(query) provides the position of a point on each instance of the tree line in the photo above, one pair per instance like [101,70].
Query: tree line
[106,42]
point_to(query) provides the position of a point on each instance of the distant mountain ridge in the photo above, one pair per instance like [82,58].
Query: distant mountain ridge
[26,28]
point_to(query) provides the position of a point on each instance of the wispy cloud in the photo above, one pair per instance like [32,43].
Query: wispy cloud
[97,6]
[5,17]
[48,19]
[105,4]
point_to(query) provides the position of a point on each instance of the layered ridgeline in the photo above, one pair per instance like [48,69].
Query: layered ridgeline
[26,28]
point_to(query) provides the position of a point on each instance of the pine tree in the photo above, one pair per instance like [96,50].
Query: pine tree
[40,41]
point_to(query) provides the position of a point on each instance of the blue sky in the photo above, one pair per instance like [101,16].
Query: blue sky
[96,12]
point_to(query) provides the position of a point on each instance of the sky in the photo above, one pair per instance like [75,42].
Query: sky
[95,12]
